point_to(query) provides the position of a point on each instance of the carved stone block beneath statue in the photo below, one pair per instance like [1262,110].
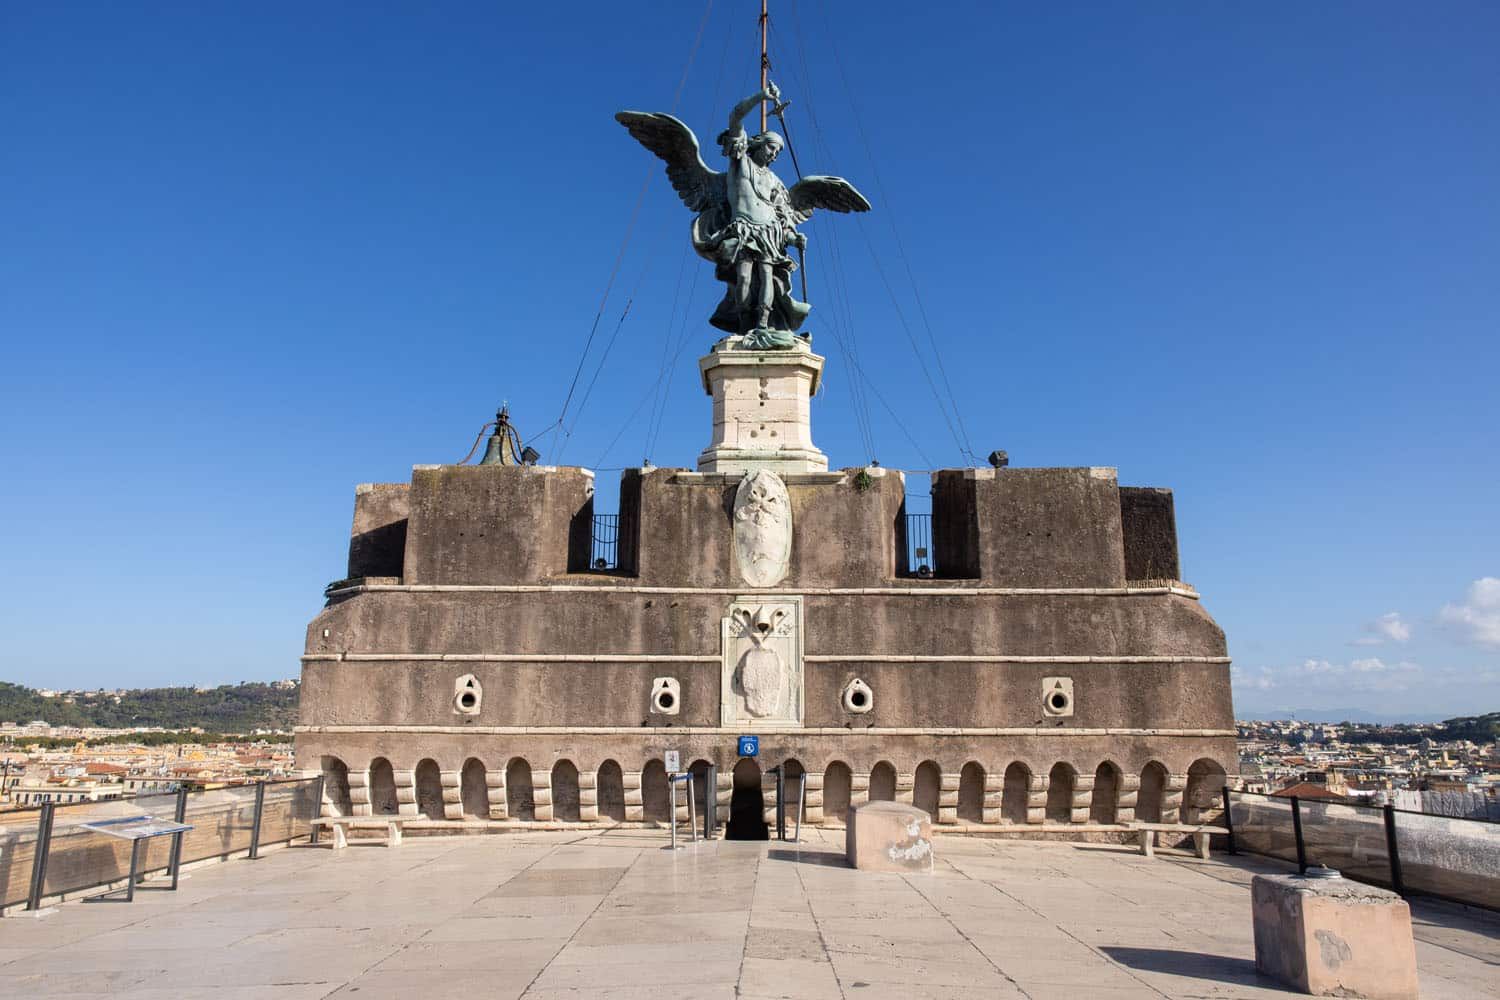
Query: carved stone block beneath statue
[762,672]
[762,409]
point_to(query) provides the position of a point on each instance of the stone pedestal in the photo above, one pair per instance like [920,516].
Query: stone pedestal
[762,411]
[1334,937]
[888,837]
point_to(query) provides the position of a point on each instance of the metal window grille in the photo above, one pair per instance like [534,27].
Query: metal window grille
[920,561]
[604,552]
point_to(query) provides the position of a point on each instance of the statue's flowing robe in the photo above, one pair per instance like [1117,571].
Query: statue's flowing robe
[755,224]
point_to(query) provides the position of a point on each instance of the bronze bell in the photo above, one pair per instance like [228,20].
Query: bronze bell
[504,444]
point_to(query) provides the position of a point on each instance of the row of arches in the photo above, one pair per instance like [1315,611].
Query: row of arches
[1018,799]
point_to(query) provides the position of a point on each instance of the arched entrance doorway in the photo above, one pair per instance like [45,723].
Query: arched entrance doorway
[746,804]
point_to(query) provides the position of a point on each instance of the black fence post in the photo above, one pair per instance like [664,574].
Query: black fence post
[711,802]
[780,801]
[317,807]
[179,814]
[1297,832]
[1392,851]
[1229,821]
[39,856]
[255,823]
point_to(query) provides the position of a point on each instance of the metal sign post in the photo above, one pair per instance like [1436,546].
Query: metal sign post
[673,781]
[135,829]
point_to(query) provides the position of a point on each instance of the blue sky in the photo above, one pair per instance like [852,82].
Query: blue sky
[252,256]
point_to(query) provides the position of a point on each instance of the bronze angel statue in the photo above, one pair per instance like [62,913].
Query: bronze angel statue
[746,217]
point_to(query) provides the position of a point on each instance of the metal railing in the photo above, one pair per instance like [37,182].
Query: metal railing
[604,549]
[1410,852]
[920,560]
[48,852]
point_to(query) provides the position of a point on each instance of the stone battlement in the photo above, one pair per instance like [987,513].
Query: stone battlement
[1010,527]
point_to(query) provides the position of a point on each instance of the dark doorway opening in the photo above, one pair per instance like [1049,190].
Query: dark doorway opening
[747,819]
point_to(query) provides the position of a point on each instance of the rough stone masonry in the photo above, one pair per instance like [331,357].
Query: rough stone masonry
[1053,673]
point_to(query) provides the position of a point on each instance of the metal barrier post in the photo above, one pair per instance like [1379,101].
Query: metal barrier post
[801,806]
[260,805]
[1229,821]
[711,802]
[780,801]
[179,814]
[317,807]
[135,861]
[1297,832]
[39,856]
[1392,850]
[672,816]
[692,809]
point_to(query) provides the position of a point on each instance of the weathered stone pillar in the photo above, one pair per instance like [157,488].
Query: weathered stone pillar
[1130,791]
[588,796]
[1083,794]
[453,802]
[494,783]
[859,789]
[635,806]
[1171,798]
[541,790]
[406,792]
[1036,799]
[814,811]
[359,792]
[994,796]
[948,799]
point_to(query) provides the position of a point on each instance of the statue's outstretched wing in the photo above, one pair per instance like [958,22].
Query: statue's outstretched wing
[699,187]
[832,193]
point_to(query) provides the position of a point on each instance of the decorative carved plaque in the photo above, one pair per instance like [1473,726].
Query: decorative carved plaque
[762,528]
[762,671]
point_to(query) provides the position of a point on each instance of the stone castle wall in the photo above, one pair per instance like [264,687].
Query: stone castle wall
[481,573]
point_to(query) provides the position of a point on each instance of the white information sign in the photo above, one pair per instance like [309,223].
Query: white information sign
[673,761]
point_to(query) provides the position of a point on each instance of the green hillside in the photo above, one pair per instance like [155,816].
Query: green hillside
[232,708]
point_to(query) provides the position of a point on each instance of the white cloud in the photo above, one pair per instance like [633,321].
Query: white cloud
[1368,675]
[1387,628]
[1478,618]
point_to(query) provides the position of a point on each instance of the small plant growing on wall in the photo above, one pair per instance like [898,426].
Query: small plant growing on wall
[863,480]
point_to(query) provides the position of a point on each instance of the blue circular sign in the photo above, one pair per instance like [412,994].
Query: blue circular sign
[749,746]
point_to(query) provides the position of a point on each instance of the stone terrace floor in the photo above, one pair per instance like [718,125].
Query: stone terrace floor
[548,916]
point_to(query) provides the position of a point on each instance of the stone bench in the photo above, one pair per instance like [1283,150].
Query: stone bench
[1200,833]
[342,826]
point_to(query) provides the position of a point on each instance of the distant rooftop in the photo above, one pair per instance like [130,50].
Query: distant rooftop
[547,916]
